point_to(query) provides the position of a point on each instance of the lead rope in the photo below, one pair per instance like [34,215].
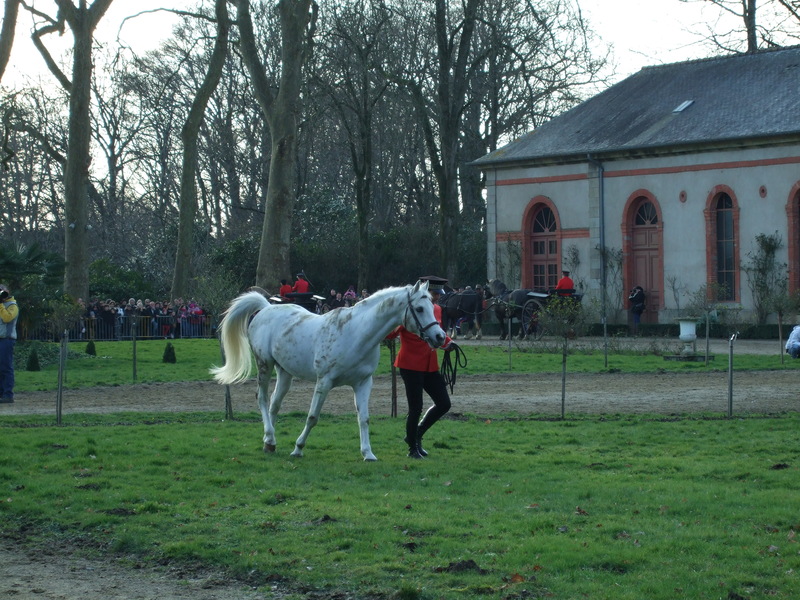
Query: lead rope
[449,368]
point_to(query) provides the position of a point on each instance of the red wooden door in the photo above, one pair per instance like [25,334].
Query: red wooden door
[646,258]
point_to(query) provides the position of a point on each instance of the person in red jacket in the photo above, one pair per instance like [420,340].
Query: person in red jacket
[565,285]
[419,368]
[284,289]
[301,285]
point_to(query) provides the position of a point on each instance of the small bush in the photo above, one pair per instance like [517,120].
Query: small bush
[90,349]
[33,361]
[169,354]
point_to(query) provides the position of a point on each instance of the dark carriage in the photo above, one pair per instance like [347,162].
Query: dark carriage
[524,305]
[537,302]
[307,300]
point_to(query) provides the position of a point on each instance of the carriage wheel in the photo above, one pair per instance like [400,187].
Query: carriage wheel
[530,320]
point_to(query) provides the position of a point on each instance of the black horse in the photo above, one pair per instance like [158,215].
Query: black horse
[507,305]
[462,310]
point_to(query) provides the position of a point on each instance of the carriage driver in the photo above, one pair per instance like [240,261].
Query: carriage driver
[301,285]
[419,368]
[565,285]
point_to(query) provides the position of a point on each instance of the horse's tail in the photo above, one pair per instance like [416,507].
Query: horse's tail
[233,334]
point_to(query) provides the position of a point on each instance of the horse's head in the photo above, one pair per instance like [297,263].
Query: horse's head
[494,289]
[420,318]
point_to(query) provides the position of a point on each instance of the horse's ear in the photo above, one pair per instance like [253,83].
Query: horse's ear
[416,287]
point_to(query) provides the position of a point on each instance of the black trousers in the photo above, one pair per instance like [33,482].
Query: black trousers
[431,383]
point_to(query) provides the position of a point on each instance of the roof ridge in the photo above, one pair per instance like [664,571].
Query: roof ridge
[707,59]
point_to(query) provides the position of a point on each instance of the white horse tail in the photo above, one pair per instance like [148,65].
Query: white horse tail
[233,334]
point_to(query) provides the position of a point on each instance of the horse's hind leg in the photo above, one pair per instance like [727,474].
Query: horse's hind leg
[263,405]
[269,408]
[320,393]
[470,327]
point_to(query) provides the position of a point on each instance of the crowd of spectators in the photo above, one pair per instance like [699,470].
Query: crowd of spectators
[337,299]
[110,320]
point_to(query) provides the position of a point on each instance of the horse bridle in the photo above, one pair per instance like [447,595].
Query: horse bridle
[422,330]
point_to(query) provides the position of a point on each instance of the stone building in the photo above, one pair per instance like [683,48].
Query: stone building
[675,169]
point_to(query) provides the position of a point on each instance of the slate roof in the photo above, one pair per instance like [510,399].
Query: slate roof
[736,100]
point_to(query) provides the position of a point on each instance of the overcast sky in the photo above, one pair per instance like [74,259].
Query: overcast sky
[642,32]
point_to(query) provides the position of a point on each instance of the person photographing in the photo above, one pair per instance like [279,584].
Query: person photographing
[9,313]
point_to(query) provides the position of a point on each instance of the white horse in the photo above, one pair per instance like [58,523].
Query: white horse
[341,347]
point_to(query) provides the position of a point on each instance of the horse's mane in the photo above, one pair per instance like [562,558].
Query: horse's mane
[381,295]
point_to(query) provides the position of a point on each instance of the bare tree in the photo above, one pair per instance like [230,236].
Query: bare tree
[282,111]
[349,73]
[446,65]
[82,20]
[763,24]
[566,319]
[189,133]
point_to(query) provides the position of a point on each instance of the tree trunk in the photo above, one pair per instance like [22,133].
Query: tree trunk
[281,112]
[273,255]
[82,22]
[189,134]
[76,170]
[750,26]
[7,33]
[451,99]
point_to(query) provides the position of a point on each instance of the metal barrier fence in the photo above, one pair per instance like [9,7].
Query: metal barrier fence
[126,328]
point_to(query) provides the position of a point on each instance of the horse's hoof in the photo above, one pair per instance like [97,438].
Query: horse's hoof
[370,458]
[269,447]
[478,336]
[297,454]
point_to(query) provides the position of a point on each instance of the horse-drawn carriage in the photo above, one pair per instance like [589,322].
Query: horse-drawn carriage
[307,300]
[524,305]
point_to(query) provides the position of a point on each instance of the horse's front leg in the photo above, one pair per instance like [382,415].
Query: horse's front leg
[503,332]
[362,392]
[320,394]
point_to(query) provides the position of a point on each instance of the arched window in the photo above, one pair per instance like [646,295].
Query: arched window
[725,247]
[544,246]
[646,214]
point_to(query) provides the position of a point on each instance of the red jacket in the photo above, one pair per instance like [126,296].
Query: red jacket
[285,289]
[300,286]
[565,283]
[415,354]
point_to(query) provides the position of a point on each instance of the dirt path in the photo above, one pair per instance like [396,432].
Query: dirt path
[484,395]
[61,574]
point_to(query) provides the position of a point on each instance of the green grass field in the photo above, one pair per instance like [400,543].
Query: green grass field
[509,508]
[623,507]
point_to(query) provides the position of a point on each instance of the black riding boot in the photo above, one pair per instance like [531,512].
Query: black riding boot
[416,447]
[434,414]
[412,439]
